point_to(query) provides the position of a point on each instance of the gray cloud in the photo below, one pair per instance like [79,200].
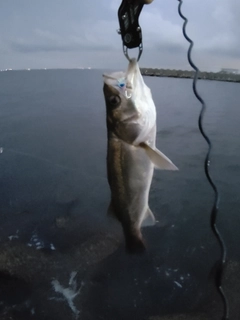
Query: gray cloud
[50,33]
[32,48]
[64,46]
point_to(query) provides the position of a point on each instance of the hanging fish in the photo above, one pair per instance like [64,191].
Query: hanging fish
[131,154]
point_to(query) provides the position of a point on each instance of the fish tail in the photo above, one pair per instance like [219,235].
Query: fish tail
[134,243]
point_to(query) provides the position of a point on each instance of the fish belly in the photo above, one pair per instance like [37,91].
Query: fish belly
[130,174]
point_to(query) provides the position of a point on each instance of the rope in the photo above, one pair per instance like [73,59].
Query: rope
[214,212]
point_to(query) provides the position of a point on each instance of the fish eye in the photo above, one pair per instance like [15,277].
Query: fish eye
[114,100]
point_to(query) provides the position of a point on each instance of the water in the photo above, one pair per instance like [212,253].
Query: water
[54,196]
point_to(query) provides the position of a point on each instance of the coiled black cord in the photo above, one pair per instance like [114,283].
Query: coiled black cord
[222,260]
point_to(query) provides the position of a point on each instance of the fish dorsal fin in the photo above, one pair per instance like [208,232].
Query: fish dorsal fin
[149,219]
[159,159]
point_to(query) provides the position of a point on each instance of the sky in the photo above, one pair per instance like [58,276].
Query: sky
[75,33]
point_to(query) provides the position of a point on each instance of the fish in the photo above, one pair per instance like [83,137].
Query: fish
[131,152]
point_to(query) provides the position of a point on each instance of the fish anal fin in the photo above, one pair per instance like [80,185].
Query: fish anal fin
[149,219]
[159,159]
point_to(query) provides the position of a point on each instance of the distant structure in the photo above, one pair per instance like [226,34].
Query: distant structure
[232,75]
[229,71]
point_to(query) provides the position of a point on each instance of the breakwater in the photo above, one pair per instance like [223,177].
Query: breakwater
[219,76]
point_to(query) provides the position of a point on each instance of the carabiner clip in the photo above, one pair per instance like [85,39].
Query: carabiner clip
[128,14]
[125,51]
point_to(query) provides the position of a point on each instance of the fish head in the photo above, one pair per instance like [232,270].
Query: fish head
[131,112]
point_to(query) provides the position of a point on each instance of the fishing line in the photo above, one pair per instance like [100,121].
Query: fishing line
[214,212]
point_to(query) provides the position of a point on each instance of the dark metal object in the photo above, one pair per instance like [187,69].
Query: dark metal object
[222,260]
[131,33]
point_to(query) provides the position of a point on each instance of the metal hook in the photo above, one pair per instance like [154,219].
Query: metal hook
[125,51]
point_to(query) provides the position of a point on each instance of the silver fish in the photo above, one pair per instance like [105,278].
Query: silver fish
[131,154]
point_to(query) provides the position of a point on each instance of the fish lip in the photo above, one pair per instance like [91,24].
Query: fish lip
[131,118]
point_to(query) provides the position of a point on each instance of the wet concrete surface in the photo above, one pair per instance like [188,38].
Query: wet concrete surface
[143,286]
[61,257]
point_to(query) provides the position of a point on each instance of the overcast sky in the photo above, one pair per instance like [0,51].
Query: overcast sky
[78,33]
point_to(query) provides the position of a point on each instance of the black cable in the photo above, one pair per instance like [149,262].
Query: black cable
[222,260]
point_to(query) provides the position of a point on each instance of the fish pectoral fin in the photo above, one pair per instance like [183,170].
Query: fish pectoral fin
[149,219]
[159,159]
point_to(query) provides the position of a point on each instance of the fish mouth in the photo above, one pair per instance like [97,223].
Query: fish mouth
[135,117]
